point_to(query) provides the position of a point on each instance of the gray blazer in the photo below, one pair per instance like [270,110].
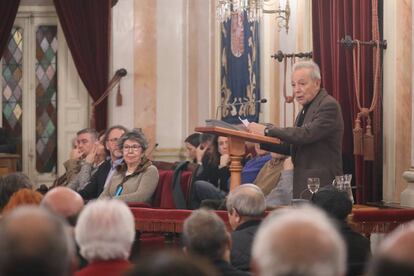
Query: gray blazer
[316,146]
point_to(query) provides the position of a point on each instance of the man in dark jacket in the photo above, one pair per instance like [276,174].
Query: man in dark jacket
[205,235]
[338,205]
[245,207]
[106,169]
[315,140]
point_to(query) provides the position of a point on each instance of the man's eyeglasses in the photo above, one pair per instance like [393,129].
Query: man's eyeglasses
[133,147]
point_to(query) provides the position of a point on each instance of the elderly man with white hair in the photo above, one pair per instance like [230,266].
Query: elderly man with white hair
[301,241]
[395,255]
[245,206]
[105,232]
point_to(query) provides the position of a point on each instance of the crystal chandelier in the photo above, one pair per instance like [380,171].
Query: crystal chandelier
[254,10]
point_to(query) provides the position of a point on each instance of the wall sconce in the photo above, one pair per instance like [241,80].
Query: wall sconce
[254,10]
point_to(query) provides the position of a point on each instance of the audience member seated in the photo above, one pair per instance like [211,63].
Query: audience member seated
[67,204]
[11,183]
[105,232]
[245,207]
[395,254]
[338,205]
[205,235]
[275,180]
[89,167]
[172,263]
[34,242]
[254,165]
[210,180]
[301,241]
[105,171]
[23,196]
[85,143]
[136,179]
[191,144]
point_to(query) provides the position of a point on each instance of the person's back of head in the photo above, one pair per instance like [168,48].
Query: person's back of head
[246,202]
[34,242]
[336,203]
[105,230]
[205,234]
[395,254]
[64,202]
[172,264]
[23,196]
[11,183]
[301,241]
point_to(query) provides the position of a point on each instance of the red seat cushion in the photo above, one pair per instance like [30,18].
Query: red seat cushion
[163,197]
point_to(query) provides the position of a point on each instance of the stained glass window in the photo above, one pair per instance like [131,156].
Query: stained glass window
[12,64]
[46,98]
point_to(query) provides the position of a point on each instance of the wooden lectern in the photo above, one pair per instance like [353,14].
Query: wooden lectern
[237,147]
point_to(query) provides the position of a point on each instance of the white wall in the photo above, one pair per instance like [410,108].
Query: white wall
[122,57]
[171,56]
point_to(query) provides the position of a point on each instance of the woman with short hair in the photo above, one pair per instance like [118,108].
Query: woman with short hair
[136,178]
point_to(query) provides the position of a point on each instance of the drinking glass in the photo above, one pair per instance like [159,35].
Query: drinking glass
[339,182]
[348,187]
[313,184]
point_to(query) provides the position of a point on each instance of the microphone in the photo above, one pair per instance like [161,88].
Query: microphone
[150,150]
[228,106]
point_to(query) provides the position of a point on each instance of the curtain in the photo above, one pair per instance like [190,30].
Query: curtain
[86,25]
[332,20]
[8,11]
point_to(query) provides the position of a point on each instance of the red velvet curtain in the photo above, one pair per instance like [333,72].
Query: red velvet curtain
[86,25]
[8,11]
[332,20]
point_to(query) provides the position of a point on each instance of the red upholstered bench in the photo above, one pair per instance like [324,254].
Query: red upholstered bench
[373,220]
[153,223]
[163,197]
[165,220]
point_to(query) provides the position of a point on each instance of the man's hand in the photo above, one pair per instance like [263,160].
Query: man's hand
[256,128]
[287,164]
[75,154]
[90,158]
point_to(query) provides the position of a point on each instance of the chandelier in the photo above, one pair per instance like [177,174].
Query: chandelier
[254,10]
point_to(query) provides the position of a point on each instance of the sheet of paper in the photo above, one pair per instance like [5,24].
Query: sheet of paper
[244,121]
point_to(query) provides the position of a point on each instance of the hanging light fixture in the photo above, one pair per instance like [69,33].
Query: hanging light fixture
[254,10]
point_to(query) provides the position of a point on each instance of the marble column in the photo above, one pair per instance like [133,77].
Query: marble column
[407,195]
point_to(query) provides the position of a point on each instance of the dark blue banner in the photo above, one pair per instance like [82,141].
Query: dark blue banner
[240,69]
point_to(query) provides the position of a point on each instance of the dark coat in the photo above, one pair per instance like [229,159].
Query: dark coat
[358,250]
[316,146]
[242,239]
[97,182]
[226,269]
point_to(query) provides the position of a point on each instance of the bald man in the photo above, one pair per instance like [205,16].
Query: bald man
[300,241]
[395,255]
[33,241]
[67,204]
[64,202]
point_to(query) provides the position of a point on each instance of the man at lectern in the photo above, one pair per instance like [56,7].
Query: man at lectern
[315,141]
